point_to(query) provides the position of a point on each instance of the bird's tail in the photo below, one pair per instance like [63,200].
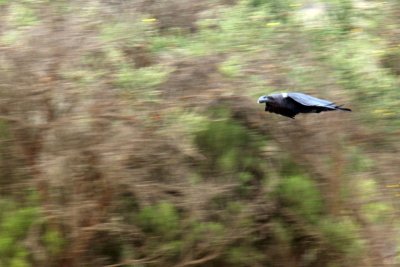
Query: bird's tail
[344,109]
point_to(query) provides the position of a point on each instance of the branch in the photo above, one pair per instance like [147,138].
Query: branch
[128,262]
[200,261]
[9,119]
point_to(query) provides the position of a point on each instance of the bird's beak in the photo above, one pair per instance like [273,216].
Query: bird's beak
[262,99]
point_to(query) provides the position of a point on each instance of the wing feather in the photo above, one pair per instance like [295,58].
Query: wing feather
[310,101]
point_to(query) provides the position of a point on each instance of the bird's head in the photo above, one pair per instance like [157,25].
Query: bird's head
[264,99]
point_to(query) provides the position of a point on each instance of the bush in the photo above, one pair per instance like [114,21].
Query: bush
[161,219]
[15,223]
[300,194]
[343,236]
[229,146]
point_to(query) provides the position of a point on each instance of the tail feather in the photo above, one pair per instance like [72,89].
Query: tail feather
[344,109]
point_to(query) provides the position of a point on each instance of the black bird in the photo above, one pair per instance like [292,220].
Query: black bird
[291,104]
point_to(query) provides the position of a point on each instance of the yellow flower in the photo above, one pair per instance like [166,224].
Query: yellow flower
[273,24]
[379,111]
[357,30]
[383,112]
[393,185]
[149,20]
[379,52]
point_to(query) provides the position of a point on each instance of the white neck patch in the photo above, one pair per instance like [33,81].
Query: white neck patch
[284,95]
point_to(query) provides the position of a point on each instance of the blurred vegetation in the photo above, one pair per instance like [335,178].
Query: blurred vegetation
[130,133]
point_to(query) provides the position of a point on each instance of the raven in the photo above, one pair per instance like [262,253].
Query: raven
[291,104]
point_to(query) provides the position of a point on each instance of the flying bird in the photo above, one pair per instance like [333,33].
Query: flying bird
[291,104]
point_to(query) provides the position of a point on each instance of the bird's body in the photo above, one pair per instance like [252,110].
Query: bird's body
[291,104]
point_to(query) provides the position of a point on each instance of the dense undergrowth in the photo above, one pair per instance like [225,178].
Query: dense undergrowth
[130,136]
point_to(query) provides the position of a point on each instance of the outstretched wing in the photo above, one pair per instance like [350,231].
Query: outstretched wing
[310,101]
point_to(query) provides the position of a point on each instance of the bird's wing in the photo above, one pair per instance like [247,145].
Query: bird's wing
[307,100]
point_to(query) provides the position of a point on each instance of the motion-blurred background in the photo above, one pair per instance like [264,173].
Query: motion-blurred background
[130,133]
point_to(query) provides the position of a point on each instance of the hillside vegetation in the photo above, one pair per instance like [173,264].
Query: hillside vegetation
[130,133]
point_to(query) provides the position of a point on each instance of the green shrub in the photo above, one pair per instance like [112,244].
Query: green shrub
[242,256]
[301,195]
[238,28]
[279,9]
[161,219]
[377,212]
[4,132]
[15,223]
[213,231]
[282,233]
[140,80]
[341,13]
[231,67]
[228,145]
[342,235]
[391,60]
[23,15]
[54,241]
